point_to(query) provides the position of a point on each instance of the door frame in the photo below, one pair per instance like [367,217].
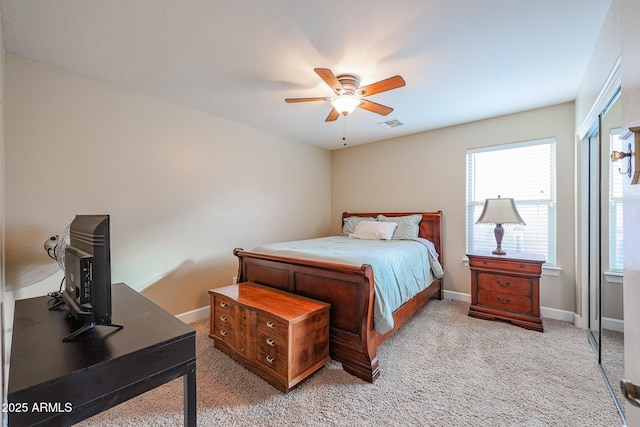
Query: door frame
[610,90]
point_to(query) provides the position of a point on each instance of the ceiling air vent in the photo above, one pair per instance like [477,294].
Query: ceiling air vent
[393,123]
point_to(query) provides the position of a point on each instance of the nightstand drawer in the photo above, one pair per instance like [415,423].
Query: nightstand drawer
[505,301]
[505,265]
[504,284]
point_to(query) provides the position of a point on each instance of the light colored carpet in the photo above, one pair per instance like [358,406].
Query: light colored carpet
[442,368]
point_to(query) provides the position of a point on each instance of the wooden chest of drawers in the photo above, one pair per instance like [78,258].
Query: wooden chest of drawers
[506,288]
[280,336]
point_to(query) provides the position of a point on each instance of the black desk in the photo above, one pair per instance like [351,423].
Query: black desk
[70,381]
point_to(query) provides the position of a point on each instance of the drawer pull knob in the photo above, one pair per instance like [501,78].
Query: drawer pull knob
[484,262]
[223,333]
[224,319]
[503,285]
[223,304]
[271,324]
[505,301]
[521,265]
[270,359]
[271,342]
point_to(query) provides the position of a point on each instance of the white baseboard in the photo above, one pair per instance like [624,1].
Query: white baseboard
[613,324]
[546,312]
[607,323]
[556,314]
[579,321]
[194,315]
[456,296]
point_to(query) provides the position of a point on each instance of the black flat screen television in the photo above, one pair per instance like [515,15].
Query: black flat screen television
[87,261]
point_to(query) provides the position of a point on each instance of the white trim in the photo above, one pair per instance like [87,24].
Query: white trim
[579,321]
[609,89]
[546,312]
[508,145]
[613,324]
[606,95]
[607,323]
[551,270]
[194,315]
[614,277]
[456,296]
[556,314]
[582,231]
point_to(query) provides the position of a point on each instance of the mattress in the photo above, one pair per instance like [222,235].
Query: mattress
[401,267]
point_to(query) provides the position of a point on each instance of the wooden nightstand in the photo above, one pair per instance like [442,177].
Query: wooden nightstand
[280,336]
[506,287]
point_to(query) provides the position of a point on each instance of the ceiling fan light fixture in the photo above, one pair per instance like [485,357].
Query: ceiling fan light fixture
[345,104]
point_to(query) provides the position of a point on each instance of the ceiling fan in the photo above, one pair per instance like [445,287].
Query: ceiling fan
[349,94]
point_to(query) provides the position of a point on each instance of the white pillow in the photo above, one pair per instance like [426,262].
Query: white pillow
[374,230]
[351,222]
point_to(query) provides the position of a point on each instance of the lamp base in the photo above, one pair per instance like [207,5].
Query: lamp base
[498,232]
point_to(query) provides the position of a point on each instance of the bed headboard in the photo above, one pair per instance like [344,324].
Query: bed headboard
[430,227]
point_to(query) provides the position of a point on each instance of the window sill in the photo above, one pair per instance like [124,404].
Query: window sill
[613,276]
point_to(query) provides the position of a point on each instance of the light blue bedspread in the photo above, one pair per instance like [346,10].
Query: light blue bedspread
[401,268]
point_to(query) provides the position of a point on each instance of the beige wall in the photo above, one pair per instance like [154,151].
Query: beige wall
[426,171]
[183,188]
[603,58]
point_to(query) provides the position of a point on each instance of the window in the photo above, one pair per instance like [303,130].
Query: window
[615,205]
[523,171]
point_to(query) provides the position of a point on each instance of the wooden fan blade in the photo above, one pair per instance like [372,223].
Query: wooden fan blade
[375,108]
[382,86]
[329,78]
[305,99]
[333,115]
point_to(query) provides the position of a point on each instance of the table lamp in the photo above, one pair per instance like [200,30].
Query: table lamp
[499,211]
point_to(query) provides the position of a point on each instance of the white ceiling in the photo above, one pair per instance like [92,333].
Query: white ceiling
[462,60]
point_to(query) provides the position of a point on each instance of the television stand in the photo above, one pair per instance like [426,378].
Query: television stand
[62,383]
[88,324]
[86,327]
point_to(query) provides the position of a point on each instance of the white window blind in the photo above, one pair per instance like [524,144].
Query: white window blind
[525,172]
[615,205]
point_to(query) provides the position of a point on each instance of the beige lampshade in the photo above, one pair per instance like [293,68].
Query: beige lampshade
[500,211]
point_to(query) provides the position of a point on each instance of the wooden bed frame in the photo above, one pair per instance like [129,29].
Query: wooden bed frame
[349,289]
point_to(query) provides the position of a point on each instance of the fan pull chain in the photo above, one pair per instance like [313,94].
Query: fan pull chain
[344,131]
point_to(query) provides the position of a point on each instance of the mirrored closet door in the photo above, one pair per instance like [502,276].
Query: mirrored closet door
[605,247]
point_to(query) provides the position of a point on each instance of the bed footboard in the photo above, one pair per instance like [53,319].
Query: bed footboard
[347,288]
[353,340]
